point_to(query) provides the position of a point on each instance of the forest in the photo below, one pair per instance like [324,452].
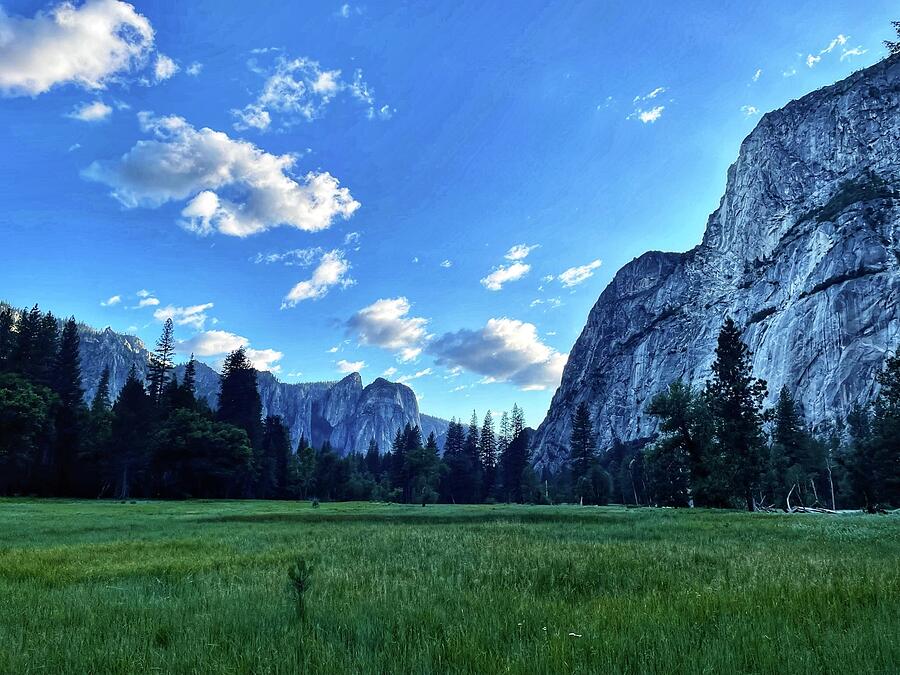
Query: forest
[718,445]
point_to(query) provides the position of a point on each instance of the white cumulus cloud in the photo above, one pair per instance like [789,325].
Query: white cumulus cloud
[234,187]
[96,111]
[164,68]
[114,300]
[505,350]
[86,45]
[332,270]
[193,315]
[220,342]
[350,366]
[386,324]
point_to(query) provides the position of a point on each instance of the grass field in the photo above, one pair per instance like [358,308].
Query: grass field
[202,587]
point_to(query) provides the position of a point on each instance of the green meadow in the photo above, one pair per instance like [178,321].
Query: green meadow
[197,587]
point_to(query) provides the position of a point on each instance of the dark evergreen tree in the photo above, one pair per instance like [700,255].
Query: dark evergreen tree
[677,465]
[101,401]
[487,453]
[130,438]
[274,460]
[517,423]
[373,459]
[456,478]
[735,400]
[161,362]
[893,46]
[471,450]
[424,469]
[71,413]
[304,475]
[239,401]
[7,338]
[590,481]
[873,463]
[94,458]
[582,444]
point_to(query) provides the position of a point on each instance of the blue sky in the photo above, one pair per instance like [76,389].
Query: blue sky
[434,194]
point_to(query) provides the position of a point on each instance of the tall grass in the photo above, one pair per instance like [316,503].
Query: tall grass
[202,587]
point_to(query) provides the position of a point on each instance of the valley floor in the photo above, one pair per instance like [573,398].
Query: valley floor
[108,587]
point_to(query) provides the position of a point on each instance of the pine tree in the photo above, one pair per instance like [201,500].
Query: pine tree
[587,477]
[487,451]
[518,421]
[475,480]
[101,400]
[273,461]
[873,464]
[67,384]
[517,475]
[893,46]
[239,401]
[682,468]
[504,434]
[305,469]
[736,398]
[7,338]
[582,444]
[130,438]
[94,459]
[373,459]
[161,362]
[424,466]
[186,396]
[791,465]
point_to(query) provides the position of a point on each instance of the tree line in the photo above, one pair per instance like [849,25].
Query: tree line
[719,447]
[158,439]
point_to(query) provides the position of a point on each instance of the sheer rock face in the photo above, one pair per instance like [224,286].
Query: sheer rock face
[803,251]
[344,413]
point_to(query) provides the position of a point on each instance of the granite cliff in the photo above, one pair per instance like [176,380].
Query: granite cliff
[345,413]
[803,251]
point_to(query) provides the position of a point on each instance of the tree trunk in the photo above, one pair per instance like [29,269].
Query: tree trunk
[831,485]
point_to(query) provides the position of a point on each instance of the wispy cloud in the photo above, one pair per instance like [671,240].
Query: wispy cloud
[332,270]
[110,302]
[577,275]
[644,108]
[504,274]
[856,51]
[300,90]
[520,251]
